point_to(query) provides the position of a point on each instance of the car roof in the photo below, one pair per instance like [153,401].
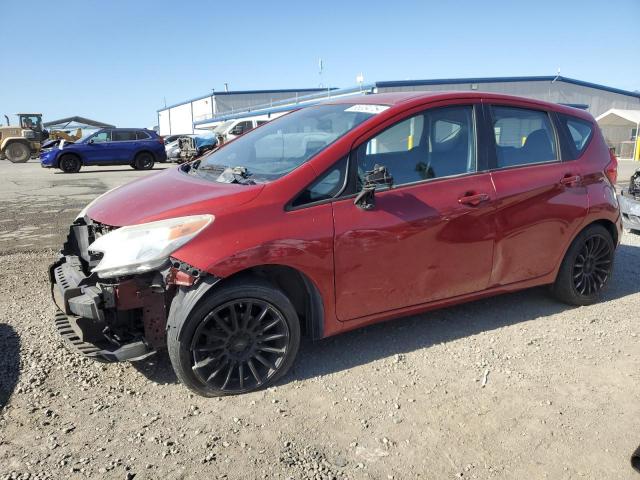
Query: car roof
[396,98]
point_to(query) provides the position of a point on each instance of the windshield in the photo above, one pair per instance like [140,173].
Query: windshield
[278,147]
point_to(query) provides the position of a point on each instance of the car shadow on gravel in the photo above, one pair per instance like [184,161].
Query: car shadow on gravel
[9,362]
[157,368]
[408,334]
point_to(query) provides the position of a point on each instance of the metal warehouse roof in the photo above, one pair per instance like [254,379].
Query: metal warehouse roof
[244,92]
[76,122]
[547,78]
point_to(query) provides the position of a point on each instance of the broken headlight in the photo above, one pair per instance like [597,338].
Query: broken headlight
[145,247]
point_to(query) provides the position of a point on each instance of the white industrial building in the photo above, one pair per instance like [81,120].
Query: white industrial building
[179,118]
[200,113]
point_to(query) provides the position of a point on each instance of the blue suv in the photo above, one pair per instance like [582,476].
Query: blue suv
[138,147]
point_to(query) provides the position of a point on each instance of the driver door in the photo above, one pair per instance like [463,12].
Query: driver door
[429,237]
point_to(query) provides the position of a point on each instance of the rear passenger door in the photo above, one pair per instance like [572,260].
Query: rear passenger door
[540,199]
[124,145]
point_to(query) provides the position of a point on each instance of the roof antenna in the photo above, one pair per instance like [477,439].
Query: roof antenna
[320,68]
[557,76]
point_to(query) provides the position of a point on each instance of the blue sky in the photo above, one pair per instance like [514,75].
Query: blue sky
[117,60]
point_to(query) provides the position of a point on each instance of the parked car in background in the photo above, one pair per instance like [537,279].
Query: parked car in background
[138,147]
[334,217]
[231,129]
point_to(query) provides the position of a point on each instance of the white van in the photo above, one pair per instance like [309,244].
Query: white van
[231,129]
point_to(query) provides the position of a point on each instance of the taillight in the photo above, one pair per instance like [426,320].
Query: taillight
[161,139]
[611,170]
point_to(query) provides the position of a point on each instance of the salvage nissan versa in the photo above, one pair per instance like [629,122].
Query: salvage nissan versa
[333,217]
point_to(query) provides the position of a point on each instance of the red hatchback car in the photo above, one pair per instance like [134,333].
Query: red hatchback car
[333,217]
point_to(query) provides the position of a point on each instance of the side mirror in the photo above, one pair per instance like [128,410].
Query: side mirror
[379,176]
[91,141]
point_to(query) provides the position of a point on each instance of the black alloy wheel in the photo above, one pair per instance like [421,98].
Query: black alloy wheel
[592,266]
[586,267]
[69,164]
[239,338]
[239,345]
[143,161]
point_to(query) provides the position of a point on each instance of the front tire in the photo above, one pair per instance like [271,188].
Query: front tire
[17,152]
[143,161]
[586,267]
[240,338]
[69,164]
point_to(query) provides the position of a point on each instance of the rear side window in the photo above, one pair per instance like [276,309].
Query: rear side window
[327,186]
[123,136]
[523,136]
[140,135]
[578,131]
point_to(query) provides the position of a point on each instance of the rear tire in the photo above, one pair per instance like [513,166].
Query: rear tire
[143,161]
[240,338]
[69,164]
[586,267]
[17,152]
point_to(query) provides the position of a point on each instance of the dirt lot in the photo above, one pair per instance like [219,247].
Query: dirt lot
[405,399]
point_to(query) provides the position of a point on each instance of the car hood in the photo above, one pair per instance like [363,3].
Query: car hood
[167,194]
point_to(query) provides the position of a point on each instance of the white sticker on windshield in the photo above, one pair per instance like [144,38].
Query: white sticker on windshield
[371,109]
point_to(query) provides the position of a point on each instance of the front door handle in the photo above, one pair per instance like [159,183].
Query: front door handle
[473,199]
[571,180]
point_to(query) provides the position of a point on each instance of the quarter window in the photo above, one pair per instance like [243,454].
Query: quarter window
[522,136]
[140,135]
[327,186]
[580,132]
[433,144]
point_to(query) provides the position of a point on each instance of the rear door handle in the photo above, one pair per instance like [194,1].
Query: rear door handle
[571,180]
[473,199]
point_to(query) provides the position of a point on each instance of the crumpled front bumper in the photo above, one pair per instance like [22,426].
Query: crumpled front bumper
[630,210]
[85,312]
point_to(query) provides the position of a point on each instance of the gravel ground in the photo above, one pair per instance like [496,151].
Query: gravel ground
[516,386]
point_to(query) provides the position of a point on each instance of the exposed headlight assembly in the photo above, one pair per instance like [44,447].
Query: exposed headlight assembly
[145,247]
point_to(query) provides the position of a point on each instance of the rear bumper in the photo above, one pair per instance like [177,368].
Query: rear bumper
[630,211]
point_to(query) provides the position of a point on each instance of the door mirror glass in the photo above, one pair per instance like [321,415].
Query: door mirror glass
[373,179]
[91,141]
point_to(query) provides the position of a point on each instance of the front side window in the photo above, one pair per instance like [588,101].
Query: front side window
[522,136]
[285,143]
[433,144]
[101,137]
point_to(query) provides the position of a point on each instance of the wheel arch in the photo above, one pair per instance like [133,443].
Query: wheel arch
[296,285]
[606,223]
[10,140]
[144,150]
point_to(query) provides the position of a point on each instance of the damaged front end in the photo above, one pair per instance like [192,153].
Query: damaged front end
[630,203]
[112,319]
